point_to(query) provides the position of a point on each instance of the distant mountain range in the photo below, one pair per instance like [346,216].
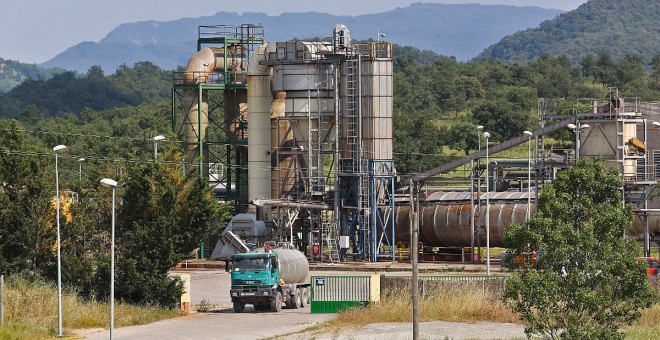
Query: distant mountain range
[618,27]
[452,30]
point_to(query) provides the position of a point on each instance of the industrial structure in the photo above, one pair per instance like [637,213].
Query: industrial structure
[298,135]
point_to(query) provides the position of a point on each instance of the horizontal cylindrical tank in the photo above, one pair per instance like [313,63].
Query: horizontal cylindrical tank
[293,265]
[446,219]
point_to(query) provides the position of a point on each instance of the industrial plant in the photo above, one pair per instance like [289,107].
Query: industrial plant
[298,136]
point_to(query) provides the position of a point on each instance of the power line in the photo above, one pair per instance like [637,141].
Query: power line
[179,141]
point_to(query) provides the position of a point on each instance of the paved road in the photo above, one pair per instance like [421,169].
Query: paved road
[212,286]
[223,323]
[220,325]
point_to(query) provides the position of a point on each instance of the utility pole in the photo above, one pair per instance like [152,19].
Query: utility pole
[2,300]
[414,205]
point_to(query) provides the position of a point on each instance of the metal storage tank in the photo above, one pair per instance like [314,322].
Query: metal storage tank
[600,140]
[294,267]
[445,218]
[309,104]
[377,103]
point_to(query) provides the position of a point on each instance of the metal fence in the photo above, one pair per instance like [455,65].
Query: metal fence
[330,294]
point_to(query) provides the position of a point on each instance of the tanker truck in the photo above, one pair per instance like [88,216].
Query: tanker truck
[268,279]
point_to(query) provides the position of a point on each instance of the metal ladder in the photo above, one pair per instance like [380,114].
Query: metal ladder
[357,166]
[352,112]
[329,236]
[317,121]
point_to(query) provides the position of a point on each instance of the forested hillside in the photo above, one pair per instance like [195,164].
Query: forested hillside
[428,88]
[618,27]
[68,93]
[13,73]
[502,97]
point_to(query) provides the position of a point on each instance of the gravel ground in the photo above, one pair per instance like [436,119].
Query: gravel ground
[427,330]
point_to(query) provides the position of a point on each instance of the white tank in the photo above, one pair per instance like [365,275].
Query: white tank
[293,265]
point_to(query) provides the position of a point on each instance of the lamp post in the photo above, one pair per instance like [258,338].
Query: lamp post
[109,183]
[380,35]
[156,139]
[487,136]
[529,135]
[59,261]
[576,130]
[80,160]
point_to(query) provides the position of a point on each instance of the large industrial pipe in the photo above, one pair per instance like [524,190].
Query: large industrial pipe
[281,142]
[259,147]
[200,66]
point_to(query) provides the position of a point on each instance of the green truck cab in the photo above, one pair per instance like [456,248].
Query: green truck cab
[269,279]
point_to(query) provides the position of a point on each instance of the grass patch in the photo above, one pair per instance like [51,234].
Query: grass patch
[31,311]
[648,325]
[464,302]
[445,301]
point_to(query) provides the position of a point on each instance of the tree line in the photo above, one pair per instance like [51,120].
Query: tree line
[162,213]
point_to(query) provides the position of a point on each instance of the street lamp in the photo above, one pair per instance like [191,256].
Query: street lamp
[577,130]
[59,261]
[529,135]
[487,136]
[80,160]
[479,128]
[109,183]
[156,139]
[380,35]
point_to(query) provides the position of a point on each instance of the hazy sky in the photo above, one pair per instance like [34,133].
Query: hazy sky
[33,31]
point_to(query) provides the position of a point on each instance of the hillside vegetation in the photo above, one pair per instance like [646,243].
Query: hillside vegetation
[428,88]
[617,27]
[13,73]
[68,93]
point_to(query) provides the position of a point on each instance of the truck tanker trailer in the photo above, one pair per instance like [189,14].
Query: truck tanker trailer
[269,278]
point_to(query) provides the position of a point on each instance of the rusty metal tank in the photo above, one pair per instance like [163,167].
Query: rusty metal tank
[294,267]
[445,218]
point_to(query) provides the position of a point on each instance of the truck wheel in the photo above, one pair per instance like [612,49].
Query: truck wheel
[299,298]
[239,307]
[276,303]
[294,302]
[305,296]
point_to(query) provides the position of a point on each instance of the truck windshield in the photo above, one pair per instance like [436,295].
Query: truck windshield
[250,264]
